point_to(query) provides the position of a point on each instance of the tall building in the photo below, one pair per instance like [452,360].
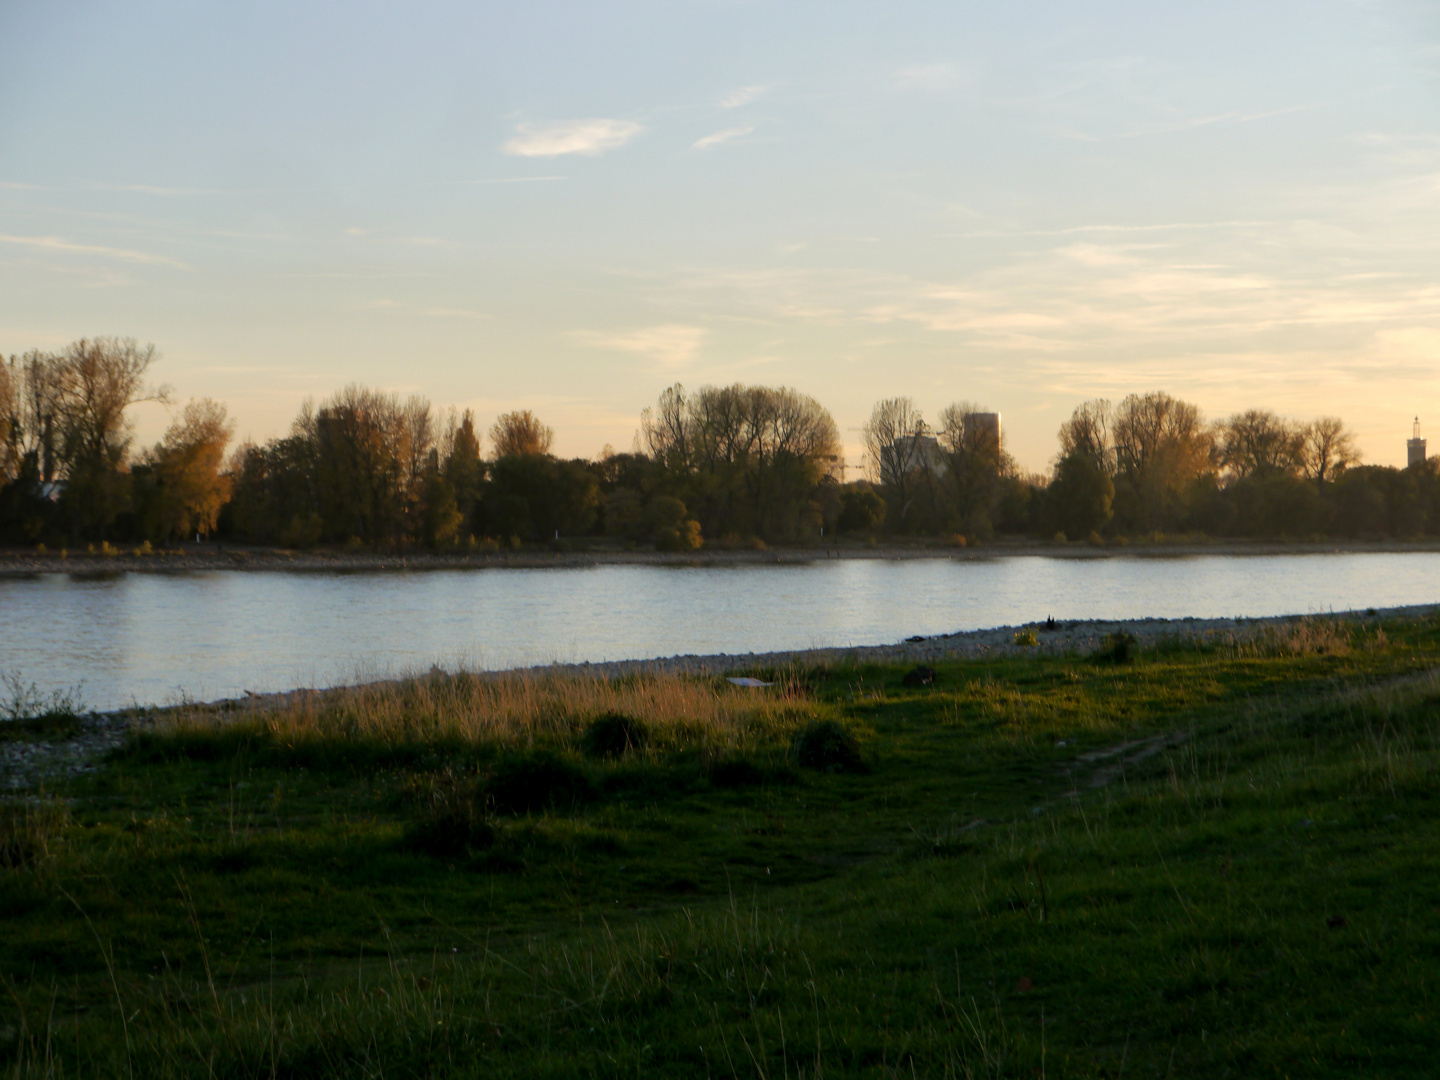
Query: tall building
[982,432]
[1415,447]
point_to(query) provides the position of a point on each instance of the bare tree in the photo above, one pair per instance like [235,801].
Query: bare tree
[1256,442]
[1087,432]
[1161,445]
[896,443]
[894,440]
[1326,449]
[10,455]
[93,385]
[516,434]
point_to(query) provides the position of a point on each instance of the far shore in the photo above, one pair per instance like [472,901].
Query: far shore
[26,562]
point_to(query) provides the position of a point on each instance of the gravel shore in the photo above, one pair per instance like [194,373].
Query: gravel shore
[1062,637]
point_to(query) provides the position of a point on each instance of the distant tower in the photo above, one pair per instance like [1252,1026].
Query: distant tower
[982,432]
[1415,447]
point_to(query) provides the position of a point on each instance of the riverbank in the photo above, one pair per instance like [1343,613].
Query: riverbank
[188,558]
[78,747]
[1031,865]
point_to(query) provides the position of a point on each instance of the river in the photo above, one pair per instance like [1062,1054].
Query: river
[155,638]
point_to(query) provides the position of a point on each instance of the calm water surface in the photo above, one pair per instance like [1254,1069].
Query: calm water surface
[153,638]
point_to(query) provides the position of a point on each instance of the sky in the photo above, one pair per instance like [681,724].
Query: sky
[568,207]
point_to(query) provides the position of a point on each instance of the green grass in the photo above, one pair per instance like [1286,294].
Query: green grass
[1220,862]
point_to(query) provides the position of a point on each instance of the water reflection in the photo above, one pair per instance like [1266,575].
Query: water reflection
[158,637]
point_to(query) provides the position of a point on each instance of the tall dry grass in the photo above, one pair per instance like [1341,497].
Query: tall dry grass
[514,710]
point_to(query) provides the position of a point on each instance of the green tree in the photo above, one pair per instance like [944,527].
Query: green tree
[1081,495]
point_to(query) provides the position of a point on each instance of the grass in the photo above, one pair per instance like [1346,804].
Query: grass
[1200,859]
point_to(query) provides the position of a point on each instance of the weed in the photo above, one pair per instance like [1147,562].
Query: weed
[451,819]
[31,830]
[828,746]
[539,780]
[613,735]
[1119,648]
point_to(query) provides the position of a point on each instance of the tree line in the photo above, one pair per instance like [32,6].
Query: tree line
[727,466]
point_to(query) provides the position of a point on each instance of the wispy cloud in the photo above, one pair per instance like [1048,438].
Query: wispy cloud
[504,180]
[56,243]
[744,96]
[671,345]
[586,137]
[926,77]
[452,313]
[722,136]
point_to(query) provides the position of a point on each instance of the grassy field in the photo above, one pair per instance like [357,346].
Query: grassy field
[1184,861]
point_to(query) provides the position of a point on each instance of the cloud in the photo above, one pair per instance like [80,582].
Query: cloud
[722,136]
[586,137]
[926,77]
[505,180]
[744,96]
[670,345]
[55,243]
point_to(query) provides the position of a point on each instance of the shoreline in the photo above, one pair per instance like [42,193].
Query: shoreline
[22,563]
[24,763]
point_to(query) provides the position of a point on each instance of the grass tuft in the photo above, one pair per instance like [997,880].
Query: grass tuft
[31,831]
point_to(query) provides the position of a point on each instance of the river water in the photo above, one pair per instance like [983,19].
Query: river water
[159,638]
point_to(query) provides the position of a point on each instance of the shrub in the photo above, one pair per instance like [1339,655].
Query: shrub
[451,818]
[1119,648]
[828,746]
[920,676]
[614,735]
[523,783]
[1026,638]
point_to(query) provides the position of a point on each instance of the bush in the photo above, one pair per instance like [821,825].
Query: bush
[829,747]
[523,783]
[1026,638]
[614,735]
[451,818]
[920,676]
[1119,648]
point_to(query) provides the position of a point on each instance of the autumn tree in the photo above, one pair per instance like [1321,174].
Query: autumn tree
[517,434]
[1162,447]
[188,464]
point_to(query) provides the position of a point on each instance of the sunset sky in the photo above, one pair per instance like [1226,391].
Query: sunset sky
[569,206]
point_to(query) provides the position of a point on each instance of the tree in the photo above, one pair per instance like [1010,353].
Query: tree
[463,469]
[860,509]
[974,466]
[744,459]
[187,463]
[517,434]
[1256,442]
[1326,449]
[899,451]
[98,380]
[1088,432]
[1161,447]
[1080,496]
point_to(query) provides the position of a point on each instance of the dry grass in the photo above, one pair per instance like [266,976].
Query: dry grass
[517,710]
